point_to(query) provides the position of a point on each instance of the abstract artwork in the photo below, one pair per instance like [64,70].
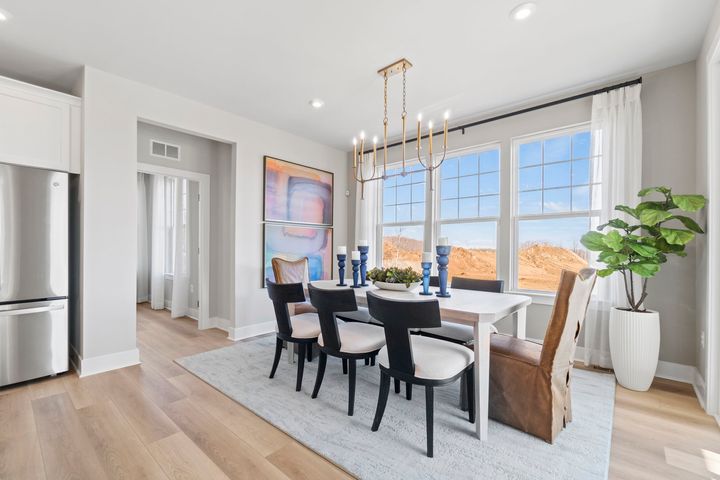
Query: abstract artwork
[297,194]
[297,241]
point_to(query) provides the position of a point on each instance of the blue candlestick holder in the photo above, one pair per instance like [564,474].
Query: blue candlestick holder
[363,265]
[443,254]
[426,266]
[356,267]
[341,269]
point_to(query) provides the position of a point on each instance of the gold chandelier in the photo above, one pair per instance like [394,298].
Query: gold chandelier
[399,67]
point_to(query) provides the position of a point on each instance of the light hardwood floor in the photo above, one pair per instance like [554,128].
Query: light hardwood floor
[155,420]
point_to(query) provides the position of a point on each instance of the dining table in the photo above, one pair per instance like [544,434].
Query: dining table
[480,310]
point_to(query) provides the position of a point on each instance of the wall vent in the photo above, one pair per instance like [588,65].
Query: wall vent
[164,150]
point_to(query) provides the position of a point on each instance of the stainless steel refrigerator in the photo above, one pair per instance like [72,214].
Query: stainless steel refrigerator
[34,273]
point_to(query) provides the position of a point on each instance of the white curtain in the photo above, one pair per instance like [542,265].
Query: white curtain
[181,277]
[143,258]
[158,244]
[617,145]
[366,215]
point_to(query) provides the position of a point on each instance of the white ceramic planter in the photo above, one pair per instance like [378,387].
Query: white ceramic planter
[634,347]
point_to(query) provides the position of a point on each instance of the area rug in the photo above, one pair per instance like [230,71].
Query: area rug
[397,450]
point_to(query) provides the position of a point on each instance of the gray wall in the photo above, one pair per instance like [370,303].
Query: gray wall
[213,158]
[668,98]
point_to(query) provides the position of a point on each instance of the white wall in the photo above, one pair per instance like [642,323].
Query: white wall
[668,98]
[112,107]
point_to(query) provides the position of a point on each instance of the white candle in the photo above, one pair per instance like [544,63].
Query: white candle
[427,257]
[363,243]
[342,250]
[443,241]
[355,255]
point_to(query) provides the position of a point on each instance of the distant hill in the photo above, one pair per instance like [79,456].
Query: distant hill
[540,264]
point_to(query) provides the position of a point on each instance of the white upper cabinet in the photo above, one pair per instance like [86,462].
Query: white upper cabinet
[39,127]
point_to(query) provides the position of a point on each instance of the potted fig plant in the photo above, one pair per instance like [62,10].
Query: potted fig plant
[637,251]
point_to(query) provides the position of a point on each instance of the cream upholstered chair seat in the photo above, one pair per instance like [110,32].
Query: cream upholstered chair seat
[434,358]
[358,337]
[305,325]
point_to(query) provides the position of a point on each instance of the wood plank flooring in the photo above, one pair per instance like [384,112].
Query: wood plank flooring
[155,420]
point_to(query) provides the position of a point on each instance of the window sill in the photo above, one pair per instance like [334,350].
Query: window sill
[537,298]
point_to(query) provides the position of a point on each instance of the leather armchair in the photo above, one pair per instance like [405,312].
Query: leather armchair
[530,383]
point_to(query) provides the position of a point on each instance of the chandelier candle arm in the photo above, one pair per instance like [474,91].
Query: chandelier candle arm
[430,128]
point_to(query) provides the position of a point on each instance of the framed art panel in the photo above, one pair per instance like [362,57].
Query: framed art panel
[297,241]
[295,193]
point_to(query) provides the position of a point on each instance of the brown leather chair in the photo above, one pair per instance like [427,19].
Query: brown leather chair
[293,271]
[530,383]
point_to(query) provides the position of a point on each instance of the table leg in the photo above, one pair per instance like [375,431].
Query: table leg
[519,323]
[481,333]
[291,352]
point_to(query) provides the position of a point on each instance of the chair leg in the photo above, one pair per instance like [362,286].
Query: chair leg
[463,394]
[372,360]
[397,385]
[429,417]
[382,400]
[351,387]
[344,361]
[301,366]
[470,387]
[320,374]
[276,360]
[408,390]
[309,352]
[367,360]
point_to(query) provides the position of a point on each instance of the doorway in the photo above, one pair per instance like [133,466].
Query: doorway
[173,241]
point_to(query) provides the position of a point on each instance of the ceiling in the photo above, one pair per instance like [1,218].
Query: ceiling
[265,60]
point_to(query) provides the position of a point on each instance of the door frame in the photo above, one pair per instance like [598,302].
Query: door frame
[203,235]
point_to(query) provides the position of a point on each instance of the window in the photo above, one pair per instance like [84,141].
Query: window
[403,217]
[171,186]
[557,192]
[469,209]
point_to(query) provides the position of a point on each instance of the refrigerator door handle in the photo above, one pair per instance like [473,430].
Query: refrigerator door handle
[27,311]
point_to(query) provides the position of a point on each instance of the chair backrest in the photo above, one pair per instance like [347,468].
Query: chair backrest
[398,317]
[281,295]
[464,283]
[290,271]
[328,302]
[568,315]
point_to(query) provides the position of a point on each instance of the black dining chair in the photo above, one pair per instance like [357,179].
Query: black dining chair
[463,334]
[415,359]
[350,341]
[302,329]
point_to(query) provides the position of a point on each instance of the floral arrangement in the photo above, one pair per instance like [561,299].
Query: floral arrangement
[394,275]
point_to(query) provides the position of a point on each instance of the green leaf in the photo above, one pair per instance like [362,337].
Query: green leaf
[644,269]
[675,236]
[653,205]
[626,209]
[614,240]
[605,272]
[689,203]
[644,250]
[645,191]
[689,223]
[651,216]
[593,241]
[612,258]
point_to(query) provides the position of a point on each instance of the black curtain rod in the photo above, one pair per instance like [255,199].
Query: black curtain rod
[637,81]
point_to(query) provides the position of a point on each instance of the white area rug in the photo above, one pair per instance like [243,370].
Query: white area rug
[397,450]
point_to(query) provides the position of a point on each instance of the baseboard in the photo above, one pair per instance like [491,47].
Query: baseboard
[698,384]
[241,333]
[194,313]
[105,363]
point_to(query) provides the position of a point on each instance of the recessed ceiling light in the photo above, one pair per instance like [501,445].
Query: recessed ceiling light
[4,15]
[523,11]
[316,103]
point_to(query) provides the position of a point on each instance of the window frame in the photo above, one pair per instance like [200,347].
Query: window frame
[515,217]
[437,222]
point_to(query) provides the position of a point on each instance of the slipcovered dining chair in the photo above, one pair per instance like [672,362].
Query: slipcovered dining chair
[530,383]
[293,271]
[302,329]
[416,359]
[349,341]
